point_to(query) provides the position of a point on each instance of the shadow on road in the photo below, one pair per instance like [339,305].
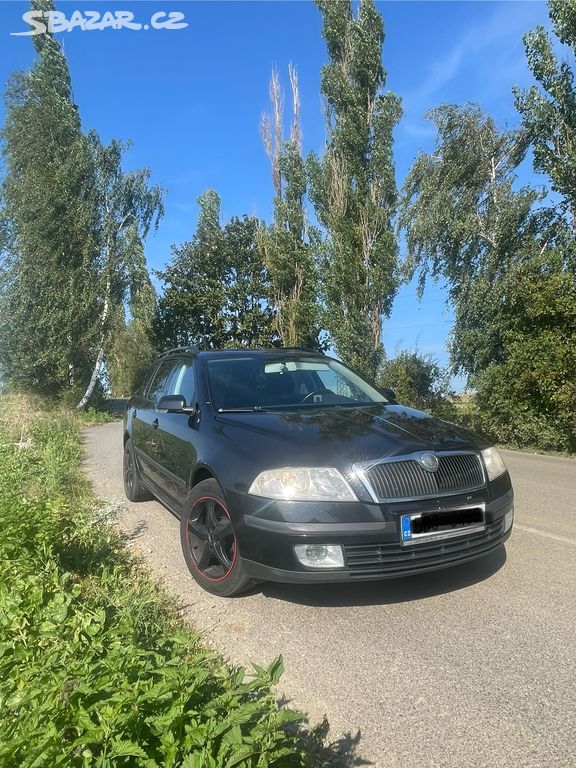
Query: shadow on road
[343,752]
[401,590]
[340,753]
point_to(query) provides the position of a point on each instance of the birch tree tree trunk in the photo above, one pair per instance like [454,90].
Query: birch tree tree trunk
[93,379]
[100,357]
[128,207]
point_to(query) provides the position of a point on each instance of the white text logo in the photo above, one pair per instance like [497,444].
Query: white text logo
[87,21]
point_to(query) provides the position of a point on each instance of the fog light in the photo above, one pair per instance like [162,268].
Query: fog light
[508,520]
[320,555]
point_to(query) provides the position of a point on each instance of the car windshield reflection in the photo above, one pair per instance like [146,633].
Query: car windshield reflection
[255,383]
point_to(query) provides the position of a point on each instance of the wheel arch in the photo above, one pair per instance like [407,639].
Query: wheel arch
[201,473]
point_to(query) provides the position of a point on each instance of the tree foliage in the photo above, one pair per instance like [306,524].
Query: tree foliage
[289,245]
[127,206]
[353,186]
[467,225]
[130,354]
[418,381]
[48,312]
[191,309]
[73,231]
[548,109]
[509,268]
[216,287]
[249,316]
[528,397]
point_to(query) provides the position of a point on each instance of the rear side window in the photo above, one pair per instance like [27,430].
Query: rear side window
[160,380]
[182,381]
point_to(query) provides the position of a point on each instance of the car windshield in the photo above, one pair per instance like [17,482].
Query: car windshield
[283,382]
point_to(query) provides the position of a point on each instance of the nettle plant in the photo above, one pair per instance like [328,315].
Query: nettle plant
[95,667]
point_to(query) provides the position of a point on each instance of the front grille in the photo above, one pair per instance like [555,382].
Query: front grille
[406,479]
[392,557]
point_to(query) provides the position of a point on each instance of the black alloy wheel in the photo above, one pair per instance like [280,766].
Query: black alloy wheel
[209,543]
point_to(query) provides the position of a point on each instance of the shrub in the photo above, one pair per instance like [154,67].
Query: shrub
[529,401]
[418,381]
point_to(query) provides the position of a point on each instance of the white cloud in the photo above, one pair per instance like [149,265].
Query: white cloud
[493,48]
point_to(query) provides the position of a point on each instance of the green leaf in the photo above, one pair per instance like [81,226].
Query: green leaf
[276,670]
[240,755]
[125,748]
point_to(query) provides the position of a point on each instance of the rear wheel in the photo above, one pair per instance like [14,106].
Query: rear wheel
[133,487]
[209,543]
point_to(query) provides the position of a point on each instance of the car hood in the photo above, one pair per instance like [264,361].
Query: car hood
[341,436]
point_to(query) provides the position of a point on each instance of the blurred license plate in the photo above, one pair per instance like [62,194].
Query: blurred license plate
[442,524]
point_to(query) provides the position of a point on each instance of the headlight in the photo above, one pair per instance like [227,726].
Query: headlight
[303,484]
[494,463]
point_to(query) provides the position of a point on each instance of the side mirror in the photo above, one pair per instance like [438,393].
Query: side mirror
[171,404]
[389,394]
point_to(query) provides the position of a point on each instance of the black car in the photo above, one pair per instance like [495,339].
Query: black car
[285,465]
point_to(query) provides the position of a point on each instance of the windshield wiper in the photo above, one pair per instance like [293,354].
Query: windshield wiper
[320,406]
[252,409]
[298,406]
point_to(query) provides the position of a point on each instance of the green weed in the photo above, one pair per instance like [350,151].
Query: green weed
[96,669]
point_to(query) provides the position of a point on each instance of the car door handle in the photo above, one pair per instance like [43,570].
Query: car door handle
[155,423]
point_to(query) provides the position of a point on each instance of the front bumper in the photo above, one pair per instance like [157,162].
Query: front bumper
[372,549]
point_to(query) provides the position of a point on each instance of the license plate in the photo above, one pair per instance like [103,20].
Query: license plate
[441,524]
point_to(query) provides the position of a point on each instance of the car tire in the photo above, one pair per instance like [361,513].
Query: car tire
[133,487]
[209,542]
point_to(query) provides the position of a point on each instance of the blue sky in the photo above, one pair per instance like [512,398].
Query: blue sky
[191,99]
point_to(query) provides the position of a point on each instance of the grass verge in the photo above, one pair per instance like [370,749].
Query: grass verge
[96,669]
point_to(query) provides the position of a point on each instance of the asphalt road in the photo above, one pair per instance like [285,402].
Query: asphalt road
[470,667]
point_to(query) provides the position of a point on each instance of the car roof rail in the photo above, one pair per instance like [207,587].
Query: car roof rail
[179,349]
[303,349]
[195,350]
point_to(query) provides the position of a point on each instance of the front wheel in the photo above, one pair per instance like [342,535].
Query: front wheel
[209,543]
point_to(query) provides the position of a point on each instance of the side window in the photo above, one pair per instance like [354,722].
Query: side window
[161,378]
[146,381]
[182,382]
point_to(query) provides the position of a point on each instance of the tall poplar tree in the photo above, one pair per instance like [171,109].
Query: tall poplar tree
[353,186]
[48,311]
[289,244]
